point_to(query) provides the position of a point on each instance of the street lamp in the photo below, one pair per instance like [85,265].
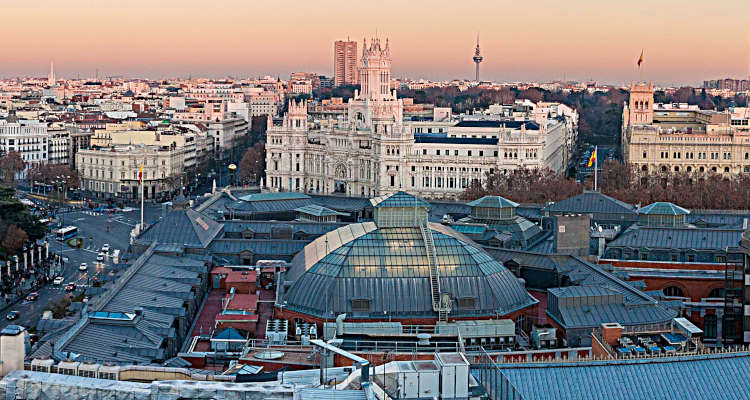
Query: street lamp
[232,169]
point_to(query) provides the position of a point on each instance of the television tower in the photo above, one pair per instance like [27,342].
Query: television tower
[477,58]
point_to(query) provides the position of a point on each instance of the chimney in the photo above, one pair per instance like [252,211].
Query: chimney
[611,332]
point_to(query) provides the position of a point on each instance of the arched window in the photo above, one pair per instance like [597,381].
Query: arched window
[702,169]
[673,291]
[726,169]
[689,169]
[644,168]
[676,169]
[717,293]
[663,168]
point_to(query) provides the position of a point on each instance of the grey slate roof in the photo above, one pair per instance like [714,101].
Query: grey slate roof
[267,247]
[663,208]
[591,202]
[268,206]
[110,330]
[715,376]
[684,238]
[265,227]
[339,203]
[636,307]
[183,227]
[597,305]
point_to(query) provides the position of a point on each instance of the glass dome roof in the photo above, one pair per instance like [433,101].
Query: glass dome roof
[386,270]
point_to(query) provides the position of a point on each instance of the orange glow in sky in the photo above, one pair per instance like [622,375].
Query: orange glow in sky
[683,41]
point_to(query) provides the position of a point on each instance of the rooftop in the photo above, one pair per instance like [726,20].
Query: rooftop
[697,377]
[493,202]
[663,208]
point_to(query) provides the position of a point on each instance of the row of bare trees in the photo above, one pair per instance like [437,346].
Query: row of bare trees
[694,190]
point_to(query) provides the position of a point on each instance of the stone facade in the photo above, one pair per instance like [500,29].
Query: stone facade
[680,137]
[372,150]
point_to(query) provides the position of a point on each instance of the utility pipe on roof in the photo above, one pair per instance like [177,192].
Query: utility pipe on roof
[359,362]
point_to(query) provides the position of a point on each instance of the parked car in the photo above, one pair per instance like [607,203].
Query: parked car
[32,296]
[12,315]
[58,280]
[71,286]
[83,267]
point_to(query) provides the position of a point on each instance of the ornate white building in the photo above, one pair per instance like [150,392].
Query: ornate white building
[373,151]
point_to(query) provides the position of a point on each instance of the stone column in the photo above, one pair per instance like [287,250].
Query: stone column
[46,250]
[25,262]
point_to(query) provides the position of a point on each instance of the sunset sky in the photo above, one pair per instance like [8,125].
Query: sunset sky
[685,41]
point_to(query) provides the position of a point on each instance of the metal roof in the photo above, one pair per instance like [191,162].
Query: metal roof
[530,125]
[663,208]
[183,227]
[695,377]
[274,196]
[685,238]
[268,206]
[398,199]
[318,211]
[454,140]
[591,202]
[493,202]
[388,267]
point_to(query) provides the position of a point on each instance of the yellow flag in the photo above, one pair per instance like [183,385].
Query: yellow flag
[593,158]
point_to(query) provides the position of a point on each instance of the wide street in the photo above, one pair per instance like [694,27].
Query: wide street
[96,229]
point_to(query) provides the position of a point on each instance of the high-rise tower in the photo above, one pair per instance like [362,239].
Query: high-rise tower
[477,59]
[344,62]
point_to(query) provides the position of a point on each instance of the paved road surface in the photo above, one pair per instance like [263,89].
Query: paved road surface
[96,229]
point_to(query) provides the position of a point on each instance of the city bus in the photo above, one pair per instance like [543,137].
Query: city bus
[66,233]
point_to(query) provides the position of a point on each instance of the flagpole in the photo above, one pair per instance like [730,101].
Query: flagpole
[596,165]
[143,190]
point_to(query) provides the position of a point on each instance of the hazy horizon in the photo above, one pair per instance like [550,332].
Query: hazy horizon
[683,43]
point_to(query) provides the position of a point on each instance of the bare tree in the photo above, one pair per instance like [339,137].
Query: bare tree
[253,162]
[11,164]
[14,239]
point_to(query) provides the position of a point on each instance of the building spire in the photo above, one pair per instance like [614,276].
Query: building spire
[51,77]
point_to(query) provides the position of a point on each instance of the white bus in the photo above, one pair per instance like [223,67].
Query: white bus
[66,232]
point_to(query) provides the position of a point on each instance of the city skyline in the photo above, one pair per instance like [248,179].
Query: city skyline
[583,40]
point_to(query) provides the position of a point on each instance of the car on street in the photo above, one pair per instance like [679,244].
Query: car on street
[105,248]
[100,256]
[58,280]
[71,286]
[32,296]
[13,315]
[83,267]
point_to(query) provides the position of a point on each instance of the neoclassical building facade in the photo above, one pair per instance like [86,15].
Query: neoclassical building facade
[372,150]
[681,137]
